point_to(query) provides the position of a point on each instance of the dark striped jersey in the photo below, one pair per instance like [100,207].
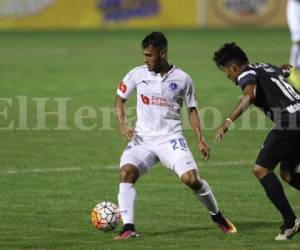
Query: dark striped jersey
[273,94]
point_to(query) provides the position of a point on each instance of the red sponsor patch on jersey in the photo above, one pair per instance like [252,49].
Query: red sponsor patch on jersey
[122,87]
[145,99]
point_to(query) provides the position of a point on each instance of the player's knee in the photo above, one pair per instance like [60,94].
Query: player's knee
[285,176]
[191,179]
[129,173]
[260,171]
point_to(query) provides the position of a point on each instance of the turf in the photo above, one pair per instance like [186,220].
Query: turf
[51,178]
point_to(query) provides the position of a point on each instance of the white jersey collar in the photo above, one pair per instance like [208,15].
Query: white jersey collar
[165,75]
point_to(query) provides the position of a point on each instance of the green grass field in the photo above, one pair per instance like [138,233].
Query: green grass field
[51,178]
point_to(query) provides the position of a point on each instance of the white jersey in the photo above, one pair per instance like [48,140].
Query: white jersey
[159,99]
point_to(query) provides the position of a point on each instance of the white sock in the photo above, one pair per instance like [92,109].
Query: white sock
[126,199]
[206,196]
[295,55]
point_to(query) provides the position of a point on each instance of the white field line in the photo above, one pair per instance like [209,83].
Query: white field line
[113,167]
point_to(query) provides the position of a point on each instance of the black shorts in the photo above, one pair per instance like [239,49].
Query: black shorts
[280,146]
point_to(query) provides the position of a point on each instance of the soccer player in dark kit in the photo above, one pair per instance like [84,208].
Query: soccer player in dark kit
[264,85]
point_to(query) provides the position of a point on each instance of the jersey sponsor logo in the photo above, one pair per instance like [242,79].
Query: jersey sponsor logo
[122,87]
[173,86]
[160,101]
[156,100]
[245,12]
[145,99]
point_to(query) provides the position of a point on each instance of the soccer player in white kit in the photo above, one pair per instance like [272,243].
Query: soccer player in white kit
[161,90]
[293,18]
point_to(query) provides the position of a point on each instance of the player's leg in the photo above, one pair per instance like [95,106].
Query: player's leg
[292,178]
[288,166]
[200,187]
[288,169]
[204,194]
[127,195]
[275,193]
[295,61]
[270,155]
[136,160]
[176,156]
[293,18]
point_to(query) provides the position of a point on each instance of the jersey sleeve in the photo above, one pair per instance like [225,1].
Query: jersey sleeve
[248,77]
[127,85]
[190,96]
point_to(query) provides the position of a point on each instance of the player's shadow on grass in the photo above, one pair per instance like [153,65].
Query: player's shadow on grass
[242,227]
[245,226]
[181,231]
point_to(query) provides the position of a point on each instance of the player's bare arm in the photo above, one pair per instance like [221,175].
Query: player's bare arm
[243,104]
[126,131]
[196,125]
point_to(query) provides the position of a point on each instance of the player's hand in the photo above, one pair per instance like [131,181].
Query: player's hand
[204,149]
[221,131]
[127,132]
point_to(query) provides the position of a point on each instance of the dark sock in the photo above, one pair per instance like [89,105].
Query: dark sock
[219,218]
[128,226]
[275,192]
[295,181]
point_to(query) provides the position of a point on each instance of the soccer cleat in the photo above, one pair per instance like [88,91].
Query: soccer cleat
[224,224]
[287,233]
[126,234]
[228,227]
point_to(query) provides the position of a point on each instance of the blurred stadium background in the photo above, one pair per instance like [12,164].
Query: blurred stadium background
[61,61]
[106,14]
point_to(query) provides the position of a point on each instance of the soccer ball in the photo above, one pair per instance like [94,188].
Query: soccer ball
[106,216]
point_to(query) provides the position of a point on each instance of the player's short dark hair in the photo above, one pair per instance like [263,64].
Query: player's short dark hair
[230,53]
[156,39]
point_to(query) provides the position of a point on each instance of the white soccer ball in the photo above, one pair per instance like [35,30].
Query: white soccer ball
[106,216]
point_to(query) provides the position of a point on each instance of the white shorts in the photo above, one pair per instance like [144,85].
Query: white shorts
[172,153]
[293,18]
